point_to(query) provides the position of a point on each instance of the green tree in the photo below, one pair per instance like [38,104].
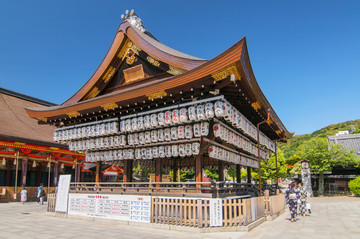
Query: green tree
[324,157]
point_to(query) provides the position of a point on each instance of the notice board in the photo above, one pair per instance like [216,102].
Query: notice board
[120,207]
[62,193]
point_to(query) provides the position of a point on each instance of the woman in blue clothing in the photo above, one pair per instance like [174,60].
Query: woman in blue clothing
[292,194]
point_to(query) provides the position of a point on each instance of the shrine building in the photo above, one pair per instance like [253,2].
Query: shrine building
[150,105]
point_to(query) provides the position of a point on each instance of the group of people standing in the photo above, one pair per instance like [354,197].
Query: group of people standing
[295,195]
[40,195]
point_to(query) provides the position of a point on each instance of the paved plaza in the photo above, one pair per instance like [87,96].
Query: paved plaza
[335,217]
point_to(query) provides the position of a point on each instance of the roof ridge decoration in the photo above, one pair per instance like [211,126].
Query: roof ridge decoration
[134,20]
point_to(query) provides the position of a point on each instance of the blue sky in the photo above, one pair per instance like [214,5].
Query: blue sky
[305,54]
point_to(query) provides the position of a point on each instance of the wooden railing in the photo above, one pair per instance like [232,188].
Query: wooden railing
[51,201]
[275,204]
[188,189]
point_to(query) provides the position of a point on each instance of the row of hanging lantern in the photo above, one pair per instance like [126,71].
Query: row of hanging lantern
[94,129]
[167,151]
[168,118]
[237,120]
[228,156]
[142,138]
[236,139]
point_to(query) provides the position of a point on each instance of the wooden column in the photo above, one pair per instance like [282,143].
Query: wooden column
[97,176]
[221,171]
[23,171]
[55,174]
[8,173]
[248,175]
[238,173]
[82,176]
[39,168]
[127,171]
[158,166]
[174,170]
[198,169]
[78,172]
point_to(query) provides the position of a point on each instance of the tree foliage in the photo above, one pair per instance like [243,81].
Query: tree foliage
[354,186]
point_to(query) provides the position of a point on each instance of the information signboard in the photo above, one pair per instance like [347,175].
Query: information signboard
[62,193]
[120,207]
[216,213]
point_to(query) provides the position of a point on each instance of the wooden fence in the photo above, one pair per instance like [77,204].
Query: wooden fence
[51,201]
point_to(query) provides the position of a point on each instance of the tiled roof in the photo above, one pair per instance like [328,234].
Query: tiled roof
[16,124]
[351,141]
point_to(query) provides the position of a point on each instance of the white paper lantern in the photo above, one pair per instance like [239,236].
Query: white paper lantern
[92,131]
[195,147]
[107,128]
[192,113]
[209,110]
[217,130]
[111,142]
[114,155]
[212,151]
[168,151]
[147,137]
[174,150]
[160,135]
[168,117]
[122,127]
[130,153]
[136,139]
[183,115]
[175,116]
[101,143]
[181,132]
[149,154]
[204,128]
[197,130]
[128,125]
[174,133]
[155,152]
[140,123]
[167,134]
[83,133]
[134,124]
[137,153]
[143,153]
[188,131]
[153,120]
[154,136]
[162,152]
[130,139]
[200,112]
[219,109]
[188,150]
[161,118]
[182,150]
[125,154]
[142,138]
[147,122]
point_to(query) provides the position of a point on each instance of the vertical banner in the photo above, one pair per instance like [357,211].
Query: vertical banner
[216,213]
[62,193]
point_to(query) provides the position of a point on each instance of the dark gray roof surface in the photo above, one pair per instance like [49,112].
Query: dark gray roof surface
[350,141]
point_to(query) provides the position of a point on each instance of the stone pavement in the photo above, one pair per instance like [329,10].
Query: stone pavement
[335,217]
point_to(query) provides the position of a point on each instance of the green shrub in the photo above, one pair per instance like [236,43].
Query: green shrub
[354,186]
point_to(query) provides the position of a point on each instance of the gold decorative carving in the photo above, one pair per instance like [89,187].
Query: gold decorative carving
[278,132]
[175,71]
[109,106]
[73,114]
[42,119]
[225,72]
[130,59]
[153,61]
[156,95]
[94,92]
[256,105]
[110,72]
[129,45]
[18,143]
[269,121]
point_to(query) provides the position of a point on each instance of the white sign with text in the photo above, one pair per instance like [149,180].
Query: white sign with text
[216,213]
[62,193]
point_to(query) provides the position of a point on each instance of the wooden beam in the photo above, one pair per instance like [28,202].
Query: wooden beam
[97,176]
[127,178]
[24,162]
[198,169]
[248,175]
[55,174]
[158,166]
[238,173]
[221,171]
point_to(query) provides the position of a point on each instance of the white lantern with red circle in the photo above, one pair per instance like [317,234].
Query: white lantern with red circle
[168,117]
[183,115]
[175,116]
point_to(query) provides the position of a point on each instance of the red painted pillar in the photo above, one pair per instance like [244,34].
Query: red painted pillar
[97,176]
[158,166]
[198,169]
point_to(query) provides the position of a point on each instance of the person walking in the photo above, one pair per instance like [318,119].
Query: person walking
[302,200]
[23,195]
[292,195]
[40,194]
